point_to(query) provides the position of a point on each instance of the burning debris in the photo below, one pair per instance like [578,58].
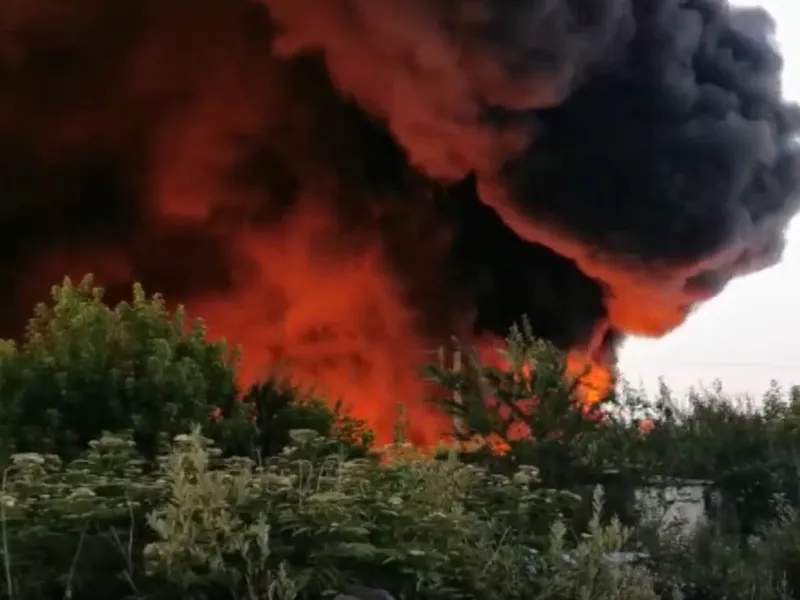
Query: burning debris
[342,184]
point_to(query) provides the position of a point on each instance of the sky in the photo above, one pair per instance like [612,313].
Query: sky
[750,334]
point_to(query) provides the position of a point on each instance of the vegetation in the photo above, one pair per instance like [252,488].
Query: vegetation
[134,467]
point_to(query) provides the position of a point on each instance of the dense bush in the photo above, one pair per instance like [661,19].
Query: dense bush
[83,367]
[748,451]
[293,526]
[259,424]
[134,467]
[716,566]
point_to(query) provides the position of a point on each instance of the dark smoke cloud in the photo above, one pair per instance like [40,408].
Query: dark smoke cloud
[599,166]
[658,153]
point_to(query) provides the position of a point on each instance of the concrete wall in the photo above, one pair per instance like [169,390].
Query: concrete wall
[681,505]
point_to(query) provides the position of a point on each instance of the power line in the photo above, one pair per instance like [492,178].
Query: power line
[744,365]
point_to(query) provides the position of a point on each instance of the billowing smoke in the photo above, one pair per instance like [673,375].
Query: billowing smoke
[342,184]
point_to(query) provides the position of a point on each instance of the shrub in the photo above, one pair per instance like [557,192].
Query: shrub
[418,527]
[292,527]
[778,548]
[714,566]
[75,529]
[329,522]
[596,567]
[83,368]
[748,451]
[213,532]
[271,409]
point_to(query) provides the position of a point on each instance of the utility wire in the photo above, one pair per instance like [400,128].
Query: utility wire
[745,365]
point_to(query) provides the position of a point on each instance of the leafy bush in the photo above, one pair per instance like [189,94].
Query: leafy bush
[748,451]
[271,409]
[715,566]
[291,527]
[84,368]
[75,529]
[334,522]
[590,569]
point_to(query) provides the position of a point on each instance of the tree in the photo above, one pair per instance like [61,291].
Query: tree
[83,368]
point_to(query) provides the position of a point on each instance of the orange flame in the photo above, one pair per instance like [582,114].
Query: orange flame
[594,380]
[335,318]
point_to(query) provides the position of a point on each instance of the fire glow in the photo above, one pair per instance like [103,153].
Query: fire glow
[342,185]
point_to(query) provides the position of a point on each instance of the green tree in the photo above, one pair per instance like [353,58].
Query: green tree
[533,409]
[83,367]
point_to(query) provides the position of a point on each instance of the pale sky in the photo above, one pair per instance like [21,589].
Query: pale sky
[751,332]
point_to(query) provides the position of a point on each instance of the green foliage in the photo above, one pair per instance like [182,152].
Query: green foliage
[419,527]
[715,566]
[134,468]
[748,451]
[329,522]
[573,446]
[74,529]
[531,395]
[270,409]
[298,524]
[589,570]
[83,368]
[213,531]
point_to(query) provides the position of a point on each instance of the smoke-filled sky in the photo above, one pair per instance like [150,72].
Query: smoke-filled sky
[342,185]
[751,333]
